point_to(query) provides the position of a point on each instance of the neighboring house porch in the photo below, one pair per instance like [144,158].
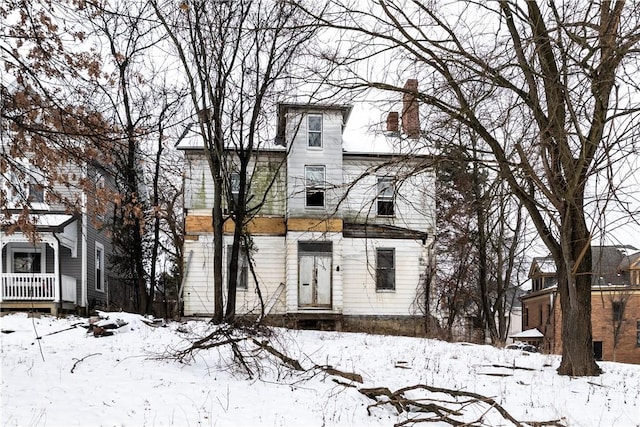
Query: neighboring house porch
[36,275]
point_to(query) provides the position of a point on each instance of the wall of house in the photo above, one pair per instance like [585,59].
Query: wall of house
[199,193]
[359,275]
[300,155]
[269,259]
[627,349]
[414,203]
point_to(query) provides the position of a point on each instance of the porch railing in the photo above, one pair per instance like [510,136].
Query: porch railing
[29,286]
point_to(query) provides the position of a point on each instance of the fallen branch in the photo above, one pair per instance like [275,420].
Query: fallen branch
[292,363]
[441,413]
[80,360]
[333,371]
[75,325]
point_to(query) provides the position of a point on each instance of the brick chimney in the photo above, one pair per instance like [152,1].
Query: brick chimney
[410,114]
[392,121]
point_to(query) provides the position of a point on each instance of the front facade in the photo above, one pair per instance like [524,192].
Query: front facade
[60,263]
[615,305]
[341,241]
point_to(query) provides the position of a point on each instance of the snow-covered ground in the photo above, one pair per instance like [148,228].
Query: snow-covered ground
[73,378]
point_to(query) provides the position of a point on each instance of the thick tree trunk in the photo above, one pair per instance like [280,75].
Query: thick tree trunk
[574,286]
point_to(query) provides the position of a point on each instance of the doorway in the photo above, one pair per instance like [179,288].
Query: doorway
[315,263]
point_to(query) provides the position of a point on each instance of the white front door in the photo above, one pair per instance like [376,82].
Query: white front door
[314,286]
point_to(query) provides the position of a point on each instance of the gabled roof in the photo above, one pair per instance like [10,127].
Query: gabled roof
[542,266]
[607,264]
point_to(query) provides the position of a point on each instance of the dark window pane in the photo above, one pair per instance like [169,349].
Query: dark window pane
[315,246]
[315,198]
[385,208]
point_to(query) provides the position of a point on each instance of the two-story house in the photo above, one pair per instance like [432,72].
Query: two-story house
[615,305]
[342,239]
[56,258]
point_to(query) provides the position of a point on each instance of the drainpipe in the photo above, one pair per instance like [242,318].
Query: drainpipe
[83,251]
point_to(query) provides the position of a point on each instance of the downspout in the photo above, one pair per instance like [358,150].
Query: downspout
[83,250]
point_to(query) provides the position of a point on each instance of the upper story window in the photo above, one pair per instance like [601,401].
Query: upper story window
[314,186]
[314,130]
[386,191]
[36,193]
[385,269]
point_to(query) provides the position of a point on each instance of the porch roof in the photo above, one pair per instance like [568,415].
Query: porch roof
[59,223]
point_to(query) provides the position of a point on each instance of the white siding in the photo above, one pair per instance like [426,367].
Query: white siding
[330,156]
[359,266]
[414,202]
[269,266]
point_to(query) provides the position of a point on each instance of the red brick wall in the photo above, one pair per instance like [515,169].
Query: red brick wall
[626,351]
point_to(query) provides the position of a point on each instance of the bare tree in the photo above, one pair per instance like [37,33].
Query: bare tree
[549,90]
[238,58]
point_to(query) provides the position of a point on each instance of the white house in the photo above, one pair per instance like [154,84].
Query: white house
[343,238]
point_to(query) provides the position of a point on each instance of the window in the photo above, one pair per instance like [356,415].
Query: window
[638,332]
[385,269]
[617,308]
[36,193]
[27,262]
[234,188]
[314,184]
[243,267]
[525,318]
[314,130]
[386,190]
[99,267]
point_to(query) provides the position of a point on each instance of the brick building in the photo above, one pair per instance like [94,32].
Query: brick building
[615,304]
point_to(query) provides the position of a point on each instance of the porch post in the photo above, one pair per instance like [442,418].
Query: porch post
[56,270]
[2,261]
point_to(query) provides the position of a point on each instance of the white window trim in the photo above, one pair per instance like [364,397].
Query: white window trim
[382,198]
[38,249]
[395,281]
[100,247]
[323,187]
[321,132]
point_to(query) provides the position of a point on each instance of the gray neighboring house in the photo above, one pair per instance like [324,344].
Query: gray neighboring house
[66,268]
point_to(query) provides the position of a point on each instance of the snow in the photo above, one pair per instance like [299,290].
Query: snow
[529,333]
[68,377]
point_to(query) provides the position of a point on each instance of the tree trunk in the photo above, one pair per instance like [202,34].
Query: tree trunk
[218,304]
[574,286]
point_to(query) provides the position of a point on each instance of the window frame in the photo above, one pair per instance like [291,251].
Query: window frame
[313,187]
[99,257]
[234,189]
[242,283]
[386,270]
[385,199]
[318,132]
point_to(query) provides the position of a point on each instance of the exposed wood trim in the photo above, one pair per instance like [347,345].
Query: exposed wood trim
[377,231]
[315,224]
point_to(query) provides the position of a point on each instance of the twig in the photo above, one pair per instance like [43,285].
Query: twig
[80,360]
